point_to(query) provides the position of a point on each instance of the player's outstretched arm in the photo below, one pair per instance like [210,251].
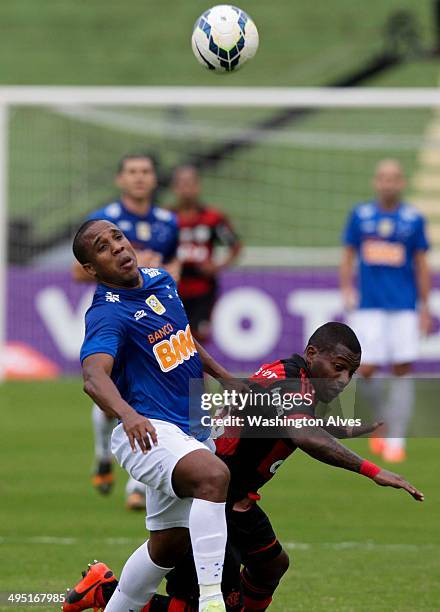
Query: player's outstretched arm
[352,432]
[214,369]
[99,386]
[210,365]
[320,445]
[384,478]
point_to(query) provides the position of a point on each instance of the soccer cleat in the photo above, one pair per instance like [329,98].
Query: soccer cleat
[93,590]
[392,454]
[377,445]
[135,501]
[103,479]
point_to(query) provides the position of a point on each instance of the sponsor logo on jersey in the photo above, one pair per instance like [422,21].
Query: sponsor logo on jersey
[155,305]
[140,314]
[160,333]
[111,297]
[383,253]
[174,351]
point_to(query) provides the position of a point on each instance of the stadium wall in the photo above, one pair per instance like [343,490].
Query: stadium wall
[261,315]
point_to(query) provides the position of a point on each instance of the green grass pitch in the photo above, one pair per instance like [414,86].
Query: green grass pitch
[354,546]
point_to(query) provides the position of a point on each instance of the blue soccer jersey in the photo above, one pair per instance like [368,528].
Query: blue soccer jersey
[156,363]
[157,230]
[386,242]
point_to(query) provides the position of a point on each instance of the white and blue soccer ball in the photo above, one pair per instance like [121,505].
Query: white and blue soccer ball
[224,38]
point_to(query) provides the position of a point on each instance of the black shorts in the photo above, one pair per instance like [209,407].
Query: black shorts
[199,309]
[252,534]
[251,540]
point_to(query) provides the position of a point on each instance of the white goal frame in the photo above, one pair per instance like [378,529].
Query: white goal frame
[255,97]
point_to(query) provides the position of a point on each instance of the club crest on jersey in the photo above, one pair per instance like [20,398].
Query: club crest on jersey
[155,305]
[385,227]
[143,230]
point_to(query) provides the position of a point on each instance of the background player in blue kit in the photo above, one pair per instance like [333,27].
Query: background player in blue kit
[387,238]
[153,233]
[138,360]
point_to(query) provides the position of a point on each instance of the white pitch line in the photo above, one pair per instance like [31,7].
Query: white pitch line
[359,545]
[124,541]
[63,541]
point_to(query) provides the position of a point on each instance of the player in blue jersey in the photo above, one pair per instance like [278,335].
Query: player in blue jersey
[153,233]
[138,360]
[386,237]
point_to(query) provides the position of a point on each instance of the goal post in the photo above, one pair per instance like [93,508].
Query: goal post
[286,164]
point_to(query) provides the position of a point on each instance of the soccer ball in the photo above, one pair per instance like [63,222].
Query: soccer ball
[224,38]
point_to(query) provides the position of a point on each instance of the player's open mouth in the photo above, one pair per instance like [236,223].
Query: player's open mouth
[126,263]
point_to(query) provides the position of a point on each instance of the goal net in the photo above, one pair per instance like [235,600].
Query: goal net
[285,165]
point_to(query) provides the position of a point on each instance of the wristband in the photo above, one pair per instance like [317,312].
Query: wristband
[254,496]
[369,469]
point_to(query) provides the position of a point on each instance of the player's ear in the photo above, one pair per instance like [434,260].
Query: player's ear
[310,354]
[118,180]
[90,270]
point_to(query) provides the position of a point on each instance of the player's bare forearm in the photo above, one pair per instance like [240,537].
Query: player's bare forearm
[423,277]
[351,432]
[349,294]
[210,365]
[346,268]
[322,446]
[100,387]
[232,255]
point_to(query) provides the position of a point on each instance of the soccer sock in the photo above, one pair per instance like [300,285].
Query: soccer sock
[255,597]
[400,407]
[139,580]
[103,427]
[207,528]
[373,391]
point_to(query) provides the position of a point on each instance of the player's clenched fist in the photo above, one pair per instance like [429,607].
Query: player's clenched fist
[388,479]
[139,429]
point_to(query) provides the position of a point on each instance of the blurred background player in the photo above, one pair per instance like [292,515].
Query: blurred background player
[386,237]
[201,228]
[153,233]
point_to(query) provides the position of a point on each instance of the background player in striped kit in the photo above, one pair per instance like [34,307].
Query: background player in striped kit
[201,229]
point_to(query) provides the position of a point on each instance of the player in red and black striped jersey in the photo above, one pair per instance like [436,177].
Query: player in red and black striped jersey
[331,358]
[201,229]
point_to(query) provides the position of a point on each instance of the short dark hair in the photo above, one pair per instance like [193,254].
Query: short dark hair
[326,337]
[191,167]
[137,155]
[79,245]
